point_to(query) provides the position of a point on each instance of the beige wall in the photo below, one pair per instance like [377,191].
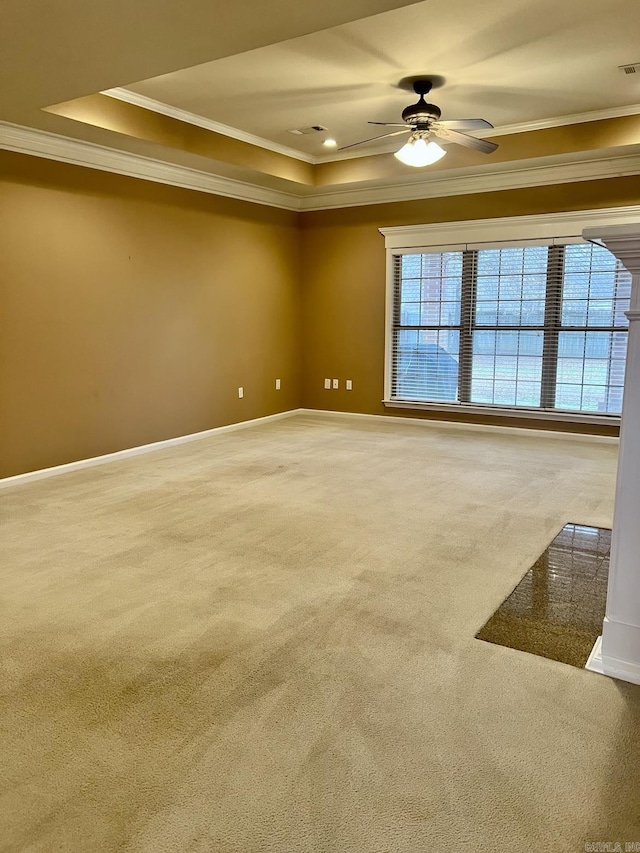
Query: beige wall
[343,288]
[131,312]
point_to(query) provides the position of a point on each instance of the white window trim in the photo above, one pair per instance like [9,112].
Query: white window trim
[544,226]
[558,227]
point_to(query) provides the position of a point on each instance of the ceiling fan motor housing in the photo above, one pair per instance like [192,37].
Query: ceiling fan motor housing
[421,113]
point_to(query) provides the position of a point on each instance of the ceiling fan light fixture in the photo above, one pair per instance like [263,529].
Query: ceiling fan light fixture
[418,152]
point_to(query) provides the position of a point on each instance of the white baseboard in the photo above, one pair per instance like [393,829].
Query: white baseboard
[594,661]
[43,473]
[444,424]
[612,667]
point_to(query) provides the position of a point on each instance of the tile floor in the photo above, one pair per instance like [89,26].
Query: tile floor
[557,609]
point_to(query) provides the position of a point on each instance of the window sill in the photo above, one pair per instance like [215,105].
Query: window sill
[499,411]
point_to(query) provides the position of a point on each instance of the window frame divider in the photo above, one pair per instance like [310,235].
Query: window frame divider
[552,323]
[467,321]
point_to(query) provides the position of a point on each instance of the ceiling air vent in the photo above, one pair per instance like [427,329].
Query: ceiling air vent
[634,68]
[303,131]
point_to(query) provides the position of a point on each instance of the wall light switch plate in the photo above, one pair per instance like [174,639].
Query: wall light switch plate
[327,384]
[349,385]
[277,384]
[241,392]
[336,383]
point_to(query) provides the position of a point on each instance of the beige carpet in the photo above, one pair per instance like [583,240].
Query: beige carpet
[264,641]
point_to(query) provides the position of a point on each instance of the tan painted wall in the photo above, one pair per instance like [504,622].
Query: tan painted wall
[343,292]
[131,120]
[131,312]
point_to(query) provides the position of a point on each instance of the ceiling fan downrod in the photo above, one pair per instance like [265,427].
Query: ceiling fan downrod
[421,113]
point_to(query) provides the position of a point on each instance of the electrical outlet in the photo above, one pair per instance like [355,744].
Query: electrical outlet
[327,384]
[277,384]
[336,384]
[241,392]
[348,385]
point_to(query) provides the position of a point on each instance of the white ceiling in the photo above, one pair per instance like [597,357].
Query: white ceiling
[510,62]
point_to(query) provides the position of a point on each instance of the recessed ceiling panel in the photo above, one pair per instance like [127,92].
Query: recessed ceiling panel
[512,62]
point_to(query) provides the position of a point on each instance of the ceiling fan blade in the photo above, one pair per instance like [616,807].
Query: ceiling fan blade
[389,124]
[468,141]
[373,138]
[466,124]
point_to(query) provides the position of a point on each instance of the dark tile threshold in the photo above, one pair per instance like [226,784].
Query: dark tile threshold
[557,609]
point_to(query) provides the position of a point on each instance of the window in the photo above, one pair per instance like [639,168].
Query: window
[530,326]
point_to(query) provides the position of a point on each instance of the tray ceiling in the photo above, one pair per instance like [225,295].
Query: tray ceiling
[544,73]
[512,62]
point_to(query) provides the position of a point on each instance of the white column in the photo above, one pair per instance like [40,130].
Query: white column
[617,652]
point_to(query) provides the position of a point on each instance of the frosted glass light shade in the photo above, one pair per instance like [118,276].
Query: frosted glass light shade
[419,152]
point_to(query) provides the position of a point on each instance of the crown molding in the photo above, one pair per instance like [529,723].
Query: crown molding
[560,121]
[41,143]
[121,94]
[77,152]
[476,182]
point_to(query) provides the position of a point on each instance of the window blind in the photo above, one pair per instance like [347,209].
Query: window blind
[535,325]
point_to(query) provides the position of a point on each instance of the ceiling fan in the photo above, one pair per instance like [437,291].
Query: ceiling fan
[422,121]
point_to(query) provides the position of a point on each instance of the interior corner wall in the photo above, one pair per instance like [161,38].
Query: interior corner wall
[343,285]
[131,312]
